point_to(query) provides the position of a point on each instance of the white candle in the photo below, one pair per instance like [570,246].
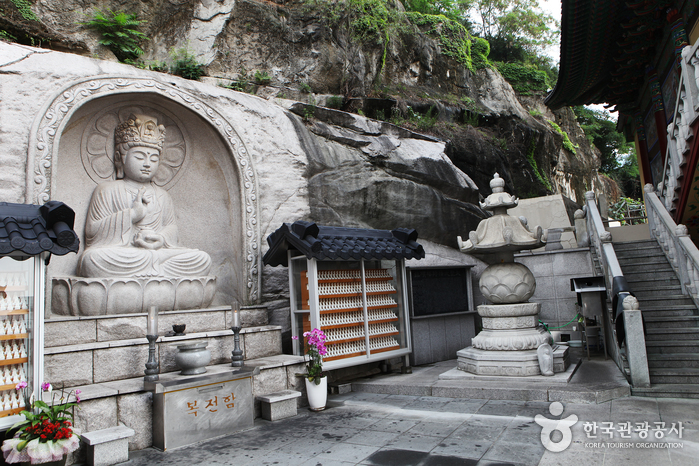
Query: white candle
[152,321]
[236,319]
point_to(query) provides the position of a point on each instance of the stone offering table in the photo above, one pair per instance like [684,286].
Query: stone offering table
[190,409]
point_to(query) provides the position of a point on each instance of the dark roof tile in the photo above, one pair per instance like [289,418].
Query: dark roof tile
[29,230]
[340,243]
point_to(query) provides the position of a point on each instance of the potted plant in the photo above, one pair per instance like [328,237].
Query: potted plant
[46,434]
[316,382]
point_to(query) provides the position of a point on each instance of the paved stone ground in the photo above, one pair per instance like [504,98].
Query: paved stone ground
[372,429]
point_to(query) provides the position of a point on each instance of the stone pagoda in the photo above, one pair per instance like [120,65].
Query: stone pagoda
[511,343]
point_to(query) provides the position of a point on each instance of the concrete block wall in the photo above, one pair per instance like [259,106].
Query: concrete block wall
[553,271]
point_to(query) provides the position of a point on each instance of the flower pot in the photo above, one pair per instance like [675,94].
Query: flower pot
[193,358]
[317,394]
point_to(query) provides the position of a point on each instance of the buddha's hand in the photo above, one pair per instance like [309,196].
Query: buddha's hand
[148,239]
[138,209]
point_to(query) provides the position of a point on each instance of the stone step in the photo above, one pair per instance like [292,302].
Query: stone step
[645,275]
[656,360]
[668,391]
[105,361]
[638,266]
[659,290]
[646,243]
[672,346]
[648,282]
[659,306]
[685,375]
[62,331]
[679,322]
[662,298]
[656,334]
[677,311]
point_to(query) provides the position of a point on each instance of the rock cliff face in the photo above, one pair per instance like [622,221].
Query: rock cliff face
[484,125]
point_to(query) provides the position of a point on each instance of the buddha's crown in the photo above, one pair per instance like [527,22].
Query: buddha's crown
[140,130]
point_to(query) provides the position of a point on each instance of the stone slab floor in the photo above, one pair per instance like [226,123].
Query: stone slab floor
[371,429]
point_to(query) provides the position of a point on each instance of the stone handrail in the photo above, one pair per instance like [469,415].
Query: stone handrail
[676,243]
[601,241]
[679,131]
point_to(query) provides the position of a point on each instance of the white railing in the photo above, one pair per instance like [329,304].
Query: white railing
[601,241]
[677,245]
[679,131]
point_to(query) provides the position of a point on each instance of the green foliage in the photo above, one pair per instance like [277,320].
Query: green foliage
[455,39]
[532,161]
[501,143]
[118,32]
[534,112]
[567,144]
[523,78]
[335,101]
[455,10]
[414,119]
[628,211]
[472,119]
[309,112]
[618,157]
[185,64]
[25,9]
[600,128]
[305,87]
[4,35]
[242,84]
[516,22]
[262,78]
[480,49]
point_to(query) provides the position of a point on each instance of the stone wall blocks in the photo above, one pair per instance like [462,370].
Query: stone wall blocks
[69,369]
[136,411]
[61,333]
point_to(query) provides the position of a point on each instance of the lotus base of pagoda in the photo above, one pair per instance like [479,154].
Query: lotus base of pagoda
[508,363]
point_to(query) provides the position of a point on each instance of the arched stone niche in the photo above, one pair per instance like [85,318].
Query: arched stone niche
[208,171]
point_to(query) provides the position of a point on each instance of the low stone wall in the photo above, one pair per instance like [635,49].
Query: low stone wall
[553,271]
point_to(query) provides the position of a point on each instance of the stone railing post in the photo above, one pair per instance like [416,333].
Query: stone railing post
[635,343]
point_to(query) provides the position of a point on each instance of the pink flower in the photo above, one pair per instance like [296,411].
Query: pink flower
[21,385]
[294,337]
[46,387]
[78,391]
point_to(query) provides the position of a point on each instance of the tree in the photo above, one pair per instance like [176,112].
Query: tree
[456,10]
[618,157]
[515,24]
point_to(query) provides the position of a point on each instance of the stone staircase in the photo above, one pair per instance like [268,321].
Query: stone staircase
[671,320]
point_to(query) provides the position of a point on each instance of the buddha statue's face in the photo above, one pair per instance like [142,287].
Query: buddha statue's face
[141,163]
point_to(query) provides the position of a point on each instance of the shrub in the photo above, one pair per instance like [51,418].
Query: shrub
[480,49]
[185,64]
[334,101]
[262,78]
[524,79]
[119,33]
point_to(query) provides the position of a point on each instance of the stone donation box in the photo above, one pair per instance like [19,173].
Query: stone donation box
[190,409]
[350,283]
[29,235]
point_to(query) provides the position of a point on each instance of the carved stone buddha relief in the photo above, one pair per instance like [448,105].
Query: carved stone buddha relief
[157,201]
